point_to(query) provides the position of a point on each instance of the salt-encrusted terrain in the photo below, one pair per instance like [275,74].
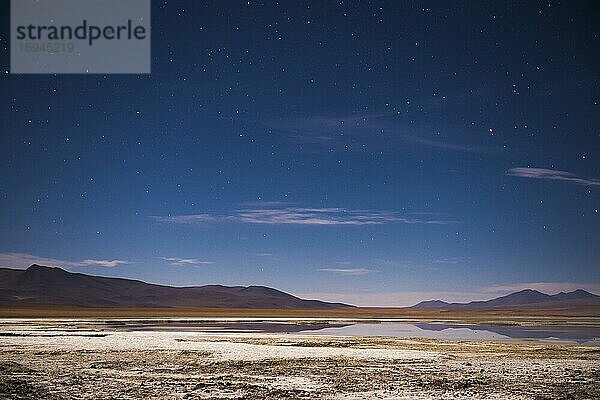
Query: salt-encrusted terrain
[53,362]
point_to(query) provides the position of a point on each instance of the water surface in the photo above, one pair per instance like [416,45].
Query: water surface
[582,334]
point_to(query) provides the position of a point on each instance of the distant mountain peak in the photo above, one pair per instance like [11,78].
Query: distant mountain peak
[42,269]
[575,294]
[34,267]
[525,297]
[432,304]
[582,292]
[528,291]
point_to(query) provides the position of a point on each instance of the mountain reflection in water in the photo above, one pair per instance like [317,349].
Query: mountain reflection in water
[569,333]
[578,334]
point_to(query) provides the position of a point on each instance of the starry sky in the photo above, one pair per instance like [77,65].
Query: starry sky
[373,152]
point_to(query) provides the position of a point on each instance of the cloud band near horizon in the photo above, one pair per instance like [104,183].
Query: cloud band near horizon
[22,260]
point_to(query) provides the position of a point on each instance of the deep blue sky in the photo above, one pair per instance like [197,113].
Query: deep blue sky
[370,152]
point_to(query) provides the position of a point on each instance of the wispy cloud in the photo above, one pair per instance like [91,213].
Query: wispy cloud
[99,263]
[450,260]
[303,216]
[545,287]
[316,216]
[185,261]
[379,129]
[441,145]
[263,254]
[347,271]
[23,260]
[186,219]
[551,174]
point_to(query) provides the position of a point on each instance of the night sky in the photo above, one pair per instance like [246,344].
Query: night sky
[378,153]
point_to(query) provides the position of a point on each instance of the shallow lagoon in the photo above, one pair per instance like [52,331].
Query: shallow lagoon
[578,334]
[581,334]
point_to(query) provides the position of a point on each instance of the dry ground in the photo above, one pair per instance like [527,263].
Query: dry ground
[80,364]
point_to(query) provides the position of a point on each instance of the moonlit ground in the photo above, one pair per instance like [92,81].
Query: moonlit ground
[49,359]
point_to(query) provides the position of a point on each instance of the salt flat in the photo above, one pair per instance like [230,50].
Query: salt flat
[49,359]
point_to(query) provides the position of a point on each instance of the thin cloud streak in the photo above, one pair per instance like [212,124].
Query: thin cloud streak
[185,219]
[347,271]
[315,216]
[23,260]
[450,260]
[185,261]
[302,216]
[328,131]
[100,263]
[551,174]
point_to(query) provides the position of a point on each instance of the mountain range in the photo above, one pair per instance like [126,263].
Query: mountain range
[51,286]
[523,298]
[40,286]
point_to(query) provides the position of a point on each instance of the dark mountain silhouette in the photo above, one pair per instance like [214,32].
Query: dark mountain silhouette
[523,298]
[47,286]
[432,304]
[575,295]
